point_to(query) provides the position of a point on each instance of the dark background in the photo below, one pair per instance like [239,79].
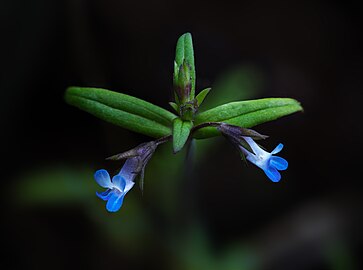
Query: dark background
[308,51]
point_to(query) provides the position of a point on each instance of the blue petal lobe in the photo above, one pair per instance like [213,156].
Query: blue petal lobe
[279,163]
[103,178]
[115,201]
[119,182]
[104,195]
[273,174]
[277,149]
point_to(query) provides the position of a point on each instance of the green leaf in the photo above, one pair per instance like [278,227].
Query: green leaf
[184,51]
[174,106]
[245,114]
[201,96]
[126,111]
[181,131]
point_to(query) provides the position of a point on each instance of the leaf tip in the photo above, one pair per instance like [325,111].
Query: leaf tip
[299,107]
[186,35]
[69,92]
[174,106]
[202,95]
[181,132]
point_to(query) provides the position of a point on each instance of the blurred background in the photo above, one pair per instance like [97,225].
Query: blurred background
[214,212]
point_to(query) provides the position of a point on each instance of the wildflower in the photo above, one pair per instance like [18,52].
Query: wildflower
[270,164]
[117,188]
[121,183]
[244,139]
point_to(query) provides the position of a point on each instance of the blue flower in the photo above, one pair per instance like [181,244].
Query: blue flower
[270,164]
[136,161]
[120,184]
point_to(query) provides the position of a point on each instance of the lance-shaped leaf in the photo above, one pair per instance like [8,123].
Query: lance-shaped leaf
[245,114]
[201,96]
[123,110]
[181,131]
[184,52]
[174,106]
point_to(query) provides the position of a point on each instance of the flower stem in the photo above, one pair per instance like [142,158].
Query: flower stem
[163,139]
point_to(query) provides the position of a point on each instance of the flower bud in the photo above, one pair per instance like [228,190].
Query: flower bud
[183,83]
